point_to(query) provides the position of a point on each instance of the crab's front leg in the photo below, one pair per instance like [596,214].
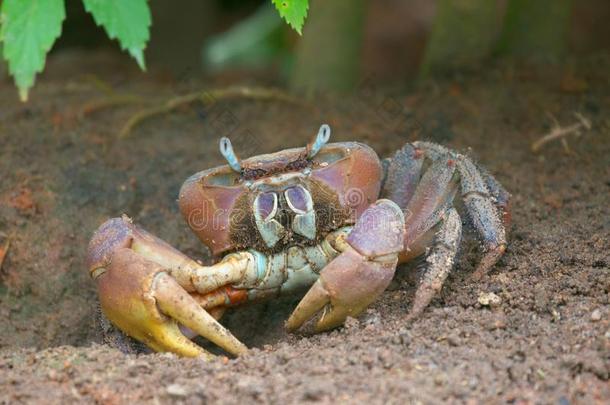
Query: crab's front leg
[355,278]
[148,289]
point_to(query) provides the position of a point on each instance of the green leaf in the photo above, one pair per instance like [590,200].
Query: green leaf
[126,20]
[293,11]
[28,30]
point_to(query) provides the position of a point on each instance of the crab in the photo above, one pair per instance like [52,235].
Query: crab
[332,219]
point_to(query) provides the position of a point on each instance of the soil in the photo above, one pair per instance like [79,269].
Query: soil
[543,338]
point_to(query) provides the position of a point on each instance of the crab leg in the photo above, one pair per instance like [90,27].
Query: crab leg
[432,198]
[483,214]
[500,195]
[440,262]
[480,205]
[192,276]
[134,273]
[402,175]
[355,278]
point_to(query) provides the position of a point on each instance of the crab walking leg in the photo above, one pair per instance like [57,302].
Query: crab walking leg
[139,294]
[483,214]
[480,205]
[355,278]
[433,151]
[433,196]
[440,261]
[500,195]
[402,175]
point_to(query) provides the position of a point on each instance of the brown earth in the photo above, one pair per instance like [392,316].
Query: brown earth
[547,341]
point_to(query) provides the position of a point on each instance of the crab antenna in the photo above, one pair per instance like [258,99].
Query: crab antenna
[227,151]
[321,140]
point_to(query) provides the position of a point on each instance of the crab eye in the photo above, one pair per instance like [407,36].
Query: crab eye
[298,199]
[265,209]
[300,202]
[266,205]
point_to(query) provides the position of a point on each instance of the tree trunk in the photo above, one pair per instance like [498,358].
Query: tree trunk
[328,54]
[462,34]
[536,28]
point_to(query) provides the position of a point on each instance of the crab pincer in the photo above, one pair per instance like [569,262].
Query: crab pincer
[355,278]
[137,293]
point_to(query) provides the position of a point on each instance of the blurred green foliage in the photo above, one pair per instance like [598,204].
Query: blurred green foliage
[29,28]
[327,57]
[535,28]
[250,44]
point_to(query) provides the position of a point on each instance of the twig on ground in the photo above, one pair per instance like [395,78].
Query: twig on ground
[559,132]
[108,102]
[207,97]
[111,99]
[99,83]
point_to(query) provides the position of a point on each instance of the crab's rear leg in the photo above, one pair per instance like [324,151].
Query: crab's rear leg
[501,197]
[439,261]
[484,213]
[432,222]
[487,204]
[147,288]
[402,175]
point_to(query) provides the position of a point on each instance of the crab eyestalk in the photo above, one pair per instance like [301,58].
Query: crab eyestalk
[319,141]
[226,149]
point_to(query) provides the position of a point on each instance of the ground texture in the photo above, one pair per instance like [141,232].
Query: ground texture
[64,171]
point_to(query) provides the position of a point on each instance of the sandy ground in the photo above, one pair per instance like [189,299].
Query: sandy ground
[548,340]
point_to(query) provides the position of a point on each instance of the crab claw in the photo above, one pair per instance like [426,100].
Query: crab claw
[145,302]
[137,293]
[355,278]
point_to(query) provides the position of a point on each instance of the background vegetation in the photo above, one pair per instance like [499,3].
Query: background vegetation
[442,36]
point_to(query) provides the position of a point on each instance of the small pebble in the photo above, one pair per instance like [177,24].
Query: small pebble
[177,390]
[596,315]
[454,340]
[489,299]
[439,379]
[371,318]
[556,315]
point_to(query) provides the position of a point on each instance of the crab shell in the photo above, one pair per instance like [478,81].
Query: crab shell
[217,203]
